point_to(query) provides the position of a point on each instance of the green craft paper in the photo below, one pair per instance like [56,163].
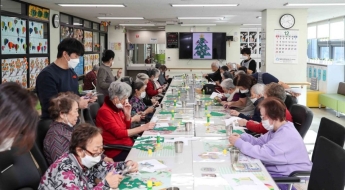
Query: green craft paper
[145,140]
[207,99]
[170,128]
[216,114]
[171,96]
[169,101]
[164,112]
[129,183]
[237,131]
[222,131]
[144,147]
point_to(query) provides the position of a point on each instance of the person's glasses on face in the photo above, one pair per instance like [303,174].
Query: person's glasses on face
[95,154]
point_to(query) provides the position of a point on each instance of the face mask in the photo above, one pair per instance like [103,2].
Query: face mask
[245,57]
[244,91]
[155,79]
[143,95]
[72,63]
[67,122]
[89,161]
[221,74]
[253,99]
[227,95]
[266,124]
[6,144]
[119,106]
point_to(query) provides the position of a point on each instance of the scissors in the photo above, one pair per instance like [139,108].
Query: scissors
[126,170]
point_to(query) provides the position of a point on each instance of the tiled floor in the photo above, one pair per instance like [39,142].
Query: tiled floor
[311,135]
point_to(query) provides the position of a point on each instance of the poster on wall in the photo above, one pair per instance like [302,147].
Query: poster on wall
[37,45]
[243,45]
[78,34]
[243,37]
[88,41]
[14,70]
[36,30]
[115,46]
[66,32]
[286,46]
[253,47]
[38,12]
[253,36]
[37,64]
[201,45]
[79,69]
[13,35]
[89,61]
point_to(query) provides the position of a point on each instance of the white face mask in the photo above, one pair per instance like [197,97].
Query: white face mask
[72,63]
[89,161]
[119,106]
[155,79]
[245,57]
[6,144]
[244,91]
[67,122]
[143,95]
[221,74]
[266,124]
[253,99]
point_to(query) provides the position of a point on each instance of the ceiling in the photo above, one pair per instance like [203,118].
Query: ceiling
[161,11]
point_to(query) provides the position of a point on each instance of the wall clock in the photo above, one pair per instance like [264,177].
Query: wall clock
[287,21]
[56,21]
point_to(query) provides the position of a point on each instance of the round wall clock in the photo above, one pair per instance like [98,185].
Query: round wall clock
[56,21]
[287,21]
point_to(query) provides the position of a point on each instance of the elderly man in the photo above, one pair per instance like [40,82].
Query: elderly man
[215,76]
[90,78]
[118,74]
[257,95]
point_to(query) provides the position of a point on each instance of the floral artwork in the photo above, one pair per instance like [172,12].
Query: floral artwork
[13,35]
[66,32]
[78,34]
[15,70]
[37,64]
[89,61]
[88,41]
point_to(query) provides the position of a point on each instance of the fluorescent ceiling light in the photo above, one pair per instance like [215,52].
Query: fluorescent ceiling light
[137,25]
[205,18]
[313,4]
[204,5]
[121,18]
[198,24]
[91,5]
[251,24]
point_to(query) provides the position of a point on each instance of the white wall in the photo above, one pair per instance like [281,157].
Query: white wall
[286,72]
[232,52]
[54,37]
[119,37]
[145,37]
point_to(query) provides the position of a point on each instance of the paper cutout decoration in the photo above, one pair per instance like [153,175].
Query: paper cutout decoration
[314,75]
[324,75]
[319,74]
[310,72]
[38,12]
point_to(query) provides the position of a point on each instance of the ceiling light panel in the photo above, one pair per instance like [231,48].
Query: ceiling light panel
[91,5]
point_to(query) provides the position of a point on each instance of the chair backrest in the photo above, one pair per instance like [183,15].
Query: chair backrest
[90,113]
[341,88]
[100,99]
[328,170]
[302,118]
[331,130]
[18,171]
[37,149]
[289,101]
[127,79]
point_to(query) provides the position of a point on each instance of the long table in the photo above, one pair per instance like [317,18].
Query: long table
[205,157]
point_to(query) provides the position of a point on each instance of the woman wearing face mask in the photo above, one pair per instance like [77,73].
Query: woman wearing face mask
[138,106]
[230,92]
[82,167]
[145,79]
[18,117]
[152,89]
[248,62]
[257,95]
[105,76]
[114,117]
[281,149]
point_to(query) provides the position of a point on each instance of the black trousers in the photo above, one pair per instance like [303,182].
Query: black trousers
[121,157]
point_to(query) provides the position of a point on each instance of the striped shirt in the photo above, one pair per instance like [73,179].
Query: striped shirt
[57,141]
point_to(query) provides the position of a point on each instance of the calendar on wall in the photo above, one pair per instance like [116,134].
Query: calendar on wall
[286,46]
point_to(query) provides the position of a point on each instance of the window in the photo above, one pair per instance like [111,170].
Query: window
[95,26]
[11,6]
[338,53]
[323,31]
[96,46]
[65,19]
[312,49]
[311,32]
[77,22]
[87,24]
[337,30]
[324,53]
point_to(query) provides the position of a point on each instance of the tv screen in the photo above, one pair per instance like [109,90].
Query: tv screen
[202,45]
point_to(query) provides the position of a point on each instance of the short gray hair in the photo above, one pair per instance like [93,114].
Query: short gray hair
[215,64]
[141,77]
[228,84]
[95,68]
[258,89]
[119,89]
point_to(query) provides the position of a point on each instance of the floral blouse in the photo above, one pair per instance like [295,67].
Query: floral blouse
[137,105]
[67,173]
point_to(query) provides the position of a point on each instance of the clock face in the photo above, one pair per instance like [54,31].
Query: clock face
[287,21]
[56,21]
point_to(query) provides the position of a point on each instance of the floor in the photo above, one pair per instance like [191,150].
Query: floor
[311,135]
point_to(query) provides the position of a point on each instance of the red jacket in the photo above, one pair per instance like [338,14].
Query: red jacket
[112,122]
[150,89]
[258,128]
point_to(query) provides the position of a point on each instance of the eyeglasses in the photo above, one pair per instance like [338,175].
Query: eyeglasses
[94,154]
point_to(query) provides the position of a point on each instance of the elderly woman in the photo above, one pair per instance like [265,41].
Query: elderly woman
[138,106]
[230,92]
[271,90]
[105,76]
[82,167]
[114,117]
[257,95]
[145,79]
[226,75]
[281,149]
[18,117]
[152,89]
